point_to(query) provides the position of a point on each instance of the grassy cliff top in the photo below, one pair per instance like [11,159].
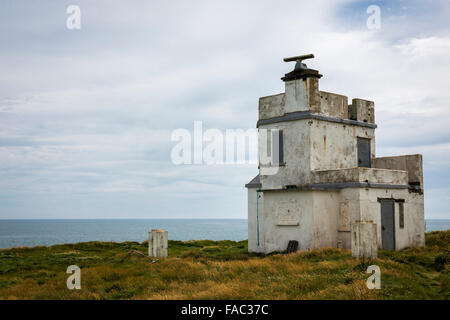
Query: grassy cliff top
[222,270]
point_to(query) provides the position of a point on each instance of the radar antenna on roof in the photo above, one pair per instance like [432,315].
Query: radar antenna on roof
[301,71]
[299,58]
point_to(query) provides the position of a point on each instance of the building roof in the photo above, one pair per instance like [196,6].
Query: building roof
[254,183]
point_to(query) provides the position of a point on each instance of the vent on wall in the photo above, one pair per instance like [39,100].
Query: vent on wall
[292,246]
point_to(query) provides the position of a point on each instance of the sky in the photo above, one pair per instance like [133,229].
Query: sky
[86,115]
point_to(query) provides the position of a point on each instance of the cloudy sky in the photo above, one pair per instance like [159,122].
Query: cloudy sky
[86,115]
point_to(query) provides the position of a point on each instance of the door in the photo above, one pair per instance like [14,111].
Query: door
[387,224]
[363,152]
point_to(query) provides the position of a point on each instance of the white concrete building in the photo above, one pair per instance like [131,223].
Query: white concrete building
[323,185]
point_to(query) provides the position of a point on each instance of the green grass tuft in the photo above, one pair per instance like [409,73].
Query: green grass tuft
[207,269]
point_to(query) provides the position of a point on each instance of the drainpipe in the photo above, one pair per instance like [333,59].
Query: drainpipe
[257,214]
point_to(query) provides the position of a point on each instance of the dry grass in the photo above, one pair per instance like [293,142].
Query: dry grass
[222,270]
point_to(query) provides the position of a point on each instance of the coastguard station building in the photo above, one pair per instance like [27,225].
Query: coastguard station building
[320,183]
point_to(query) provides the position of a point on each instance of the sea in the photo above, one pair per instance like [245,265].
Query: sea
[29,233]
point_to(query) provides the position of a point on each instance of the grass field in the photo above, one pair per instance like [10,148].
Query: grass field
[222,270]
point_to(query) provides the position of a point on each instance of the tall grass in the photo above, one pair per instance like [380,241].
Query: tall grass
[222,270]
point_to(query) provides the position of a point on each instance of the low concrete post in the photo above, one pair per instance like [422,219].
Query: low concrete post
[158,243]
[364,240]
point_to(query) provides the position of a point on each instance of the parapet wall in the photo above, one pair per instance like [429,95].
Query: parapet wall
[333,105]
[271,106]
[411,163]
[362,110]
[360,174]
[304,96]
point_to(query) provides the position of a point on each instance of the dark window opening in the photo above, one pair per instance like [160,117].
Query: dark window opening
[363,145]
[277,153]
[401,214]
[280,145]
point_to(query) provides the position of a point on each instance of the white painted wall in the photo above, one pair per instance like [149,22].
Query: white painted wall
[334,145]
[301,94]
[413,233]
[296,170]
[276,236]
[326,218]
[254,221]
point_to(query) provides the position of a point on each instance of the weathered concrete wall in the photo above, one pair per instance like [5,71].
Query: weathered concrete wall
[309,217]
[360,174]
[350,202]
[411,163]
[296,170]
[323,218]
[252,221]
[361,204]
[413,233]
[302,95]
[326,218]
[255,220]
[364,243]
[288,216]
[271,106]
[363,109]
[414,230]
[334,145]
[333,105]
[383,176]
[311,144]
[349,212]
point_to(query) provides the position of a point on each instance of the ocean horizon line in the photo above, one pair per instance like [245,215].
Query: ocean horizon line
[35,232]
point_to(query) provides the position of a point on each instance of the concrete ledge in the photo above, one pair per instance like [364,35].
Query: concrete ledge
[411,163]
[301,115]
[340,185]
[361,174]
[254,183]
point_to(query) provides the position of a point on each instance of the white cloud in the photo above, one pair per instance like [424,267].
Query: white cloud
[86,116]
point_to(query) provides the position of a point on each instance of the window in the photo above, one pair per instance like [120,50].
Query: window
[363,152]
[277,147]
[280,148]
[401,214]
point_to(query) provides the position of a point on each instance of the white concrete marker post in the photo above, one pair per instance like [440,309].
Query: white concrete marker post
[364,240]
[158,243]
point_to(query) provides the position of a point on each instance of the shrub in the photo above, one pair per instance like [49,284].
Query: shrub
[440,261]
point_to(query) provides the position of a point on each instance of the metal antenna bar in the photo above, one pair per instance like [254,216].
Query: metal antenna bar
[299,58]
